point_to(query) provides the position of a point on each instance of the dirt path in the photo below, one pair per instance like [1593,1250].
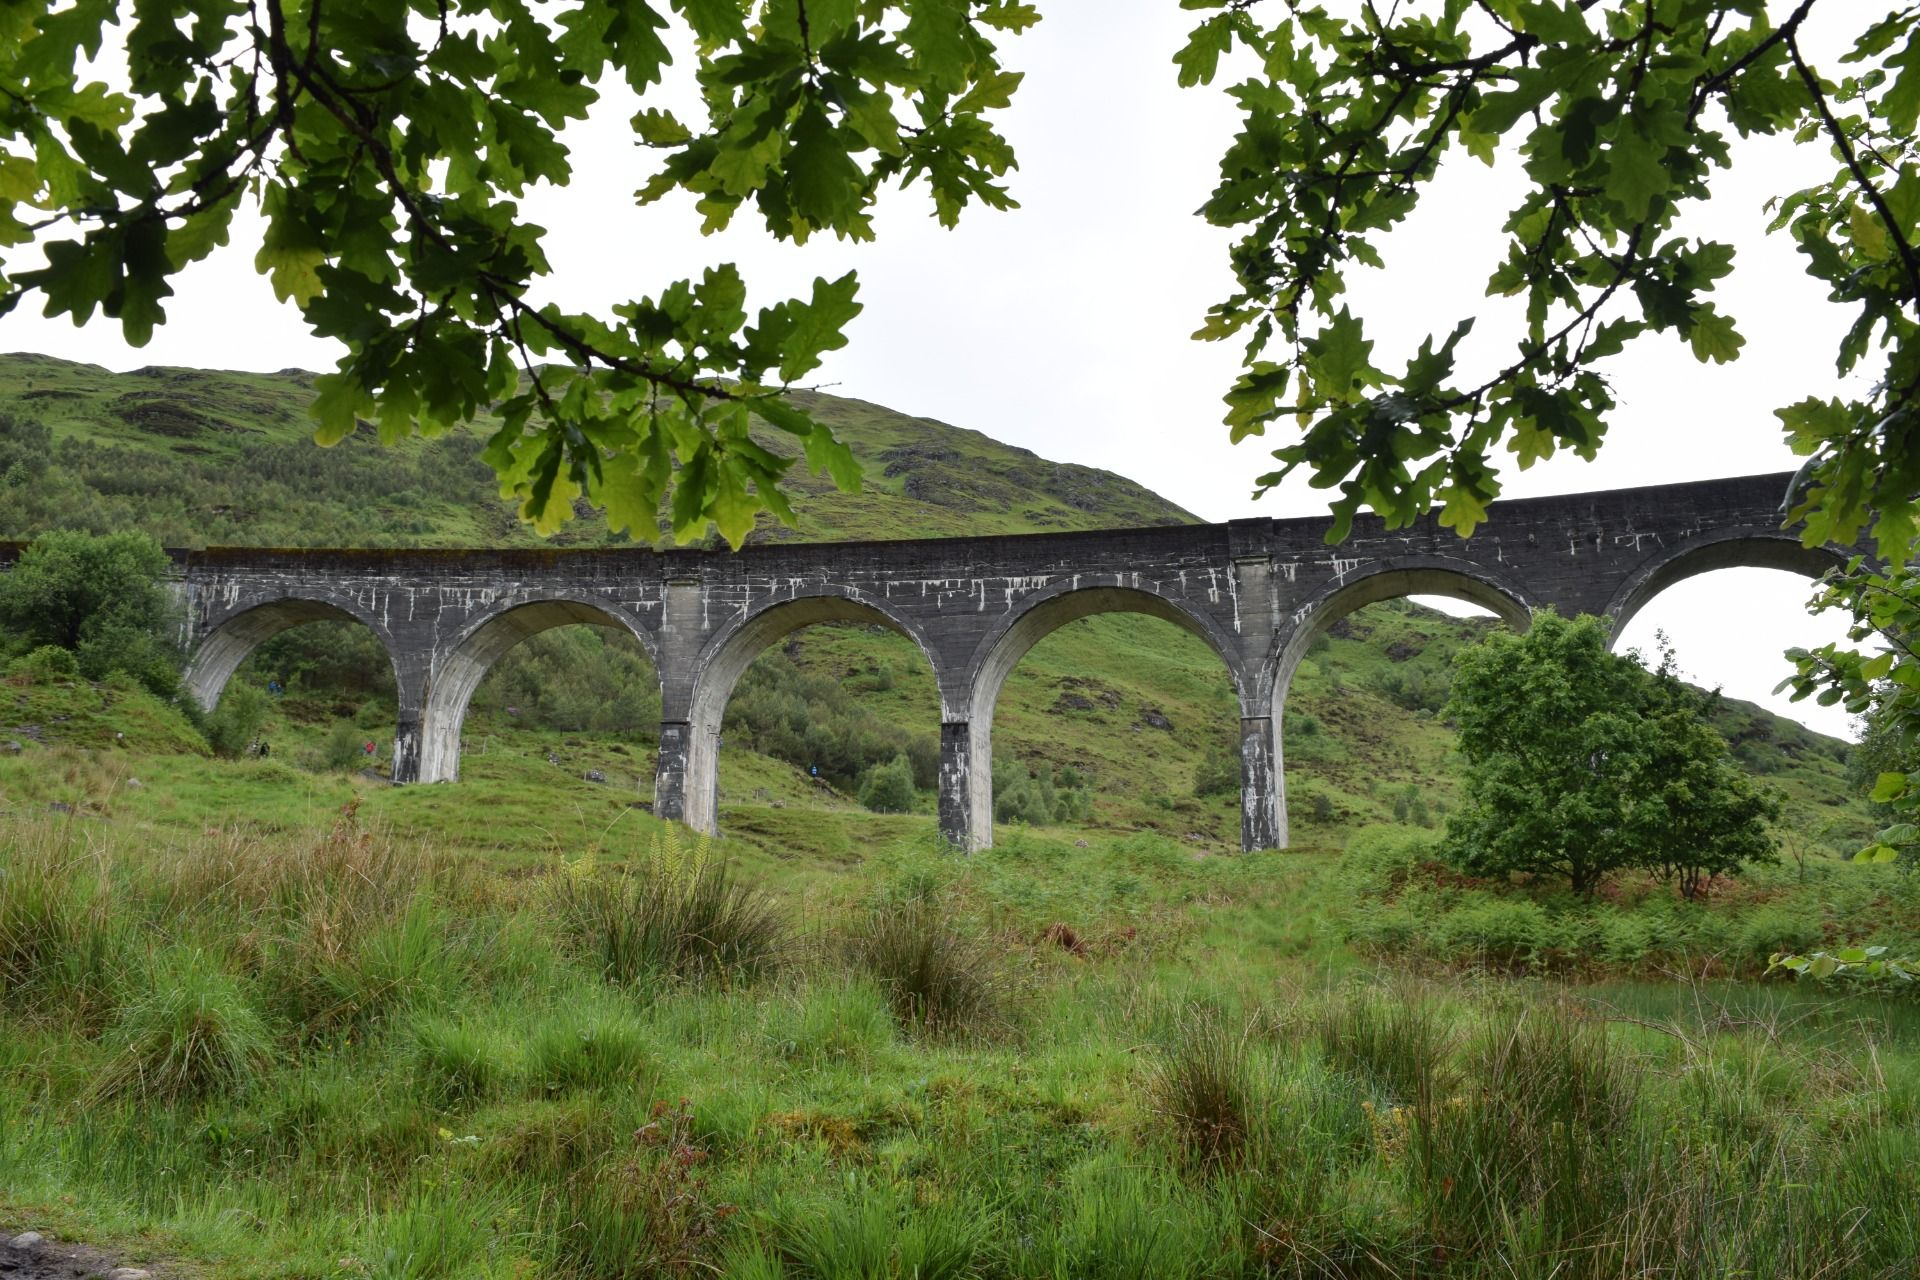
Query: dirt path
[30,1255]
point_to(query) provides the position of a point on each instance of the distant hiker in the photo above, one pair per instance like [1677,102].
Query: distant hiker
[369,747]
[813,770]
[275,688]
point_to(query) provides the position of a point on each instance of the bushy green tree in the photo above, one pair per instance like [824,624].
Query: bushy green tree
[1695,815]
[812,720]
[101,596]
[342,748]
[888,788]
[1579,762]
[1038,798]
[233,725]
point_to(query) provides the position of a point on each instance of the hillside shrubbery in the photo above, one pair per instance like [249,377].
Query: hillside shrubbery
[1036,796]
[1406,899]
[811,720]
[101,598]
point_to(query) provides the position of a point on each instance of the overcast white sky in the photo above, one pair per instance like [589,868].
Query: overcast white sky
[1063,326]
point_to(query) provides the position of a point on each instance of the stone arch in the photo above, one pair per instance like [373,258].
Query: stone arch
[456,675]
[1439,576]
[1455,579]
[1001,650]
[221,651]
[726,657]
[1729,549]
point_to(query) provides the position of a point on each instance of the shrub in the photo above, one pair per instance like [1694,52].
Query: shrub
[49,662]
[1219,772]
[233,725]
[1036,797]
[1202,1085]
[679,913]
[1500,933]
[888,788]
[342,749]
[103,597]
[937,979]
[192,1034]
[1379,860]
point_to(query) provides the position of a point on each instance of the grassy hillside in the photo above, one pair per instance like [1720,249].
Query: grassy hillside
[205,458]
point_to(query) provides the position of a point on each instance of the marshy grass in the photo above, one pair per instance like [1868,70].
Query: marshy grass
[938,978]
[1204,1086]
[305,1048]
[680,913]
[193,1032]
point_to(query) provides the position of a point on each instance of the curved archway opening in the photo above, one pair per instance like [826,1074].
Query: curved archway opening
[821,702]
[298,680]
[555,682]
[1730,629]
[1359,689]
[1085,712]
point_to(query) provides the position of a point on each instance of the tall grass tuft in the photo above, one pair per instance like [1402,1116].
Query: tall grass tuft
[428,1239]
[1203,1086]
[193,1034]
[1537,1139]
[60,946]
[876,1232]
[937,978]
[680,913]
[588,1053]
[412,961]
[649,1215]
[1398,1044]
[456,1060]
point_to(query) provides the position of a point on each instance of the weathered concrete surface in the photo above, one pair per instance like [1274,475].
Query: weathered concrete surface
[1257,591]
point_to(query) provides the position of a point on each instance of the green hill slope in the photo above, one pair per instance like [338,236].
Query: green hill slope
[205,458]
[1134,706]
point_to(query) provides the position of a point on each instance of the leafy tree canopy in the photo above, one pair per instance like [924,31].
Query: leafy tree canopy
[1580,762]
[1622,115]
[387,145]
[100,596]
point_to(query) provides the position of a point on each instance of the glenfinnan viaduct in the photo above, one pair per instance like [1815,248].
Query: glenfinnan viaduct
[1257,591]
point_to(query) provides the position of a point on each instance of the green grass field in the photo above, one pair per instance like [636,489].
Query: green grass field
[322,1048]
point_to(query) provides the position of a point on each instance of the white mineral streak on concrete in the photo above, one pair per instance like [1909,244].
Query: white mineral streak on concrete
[1343,567]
